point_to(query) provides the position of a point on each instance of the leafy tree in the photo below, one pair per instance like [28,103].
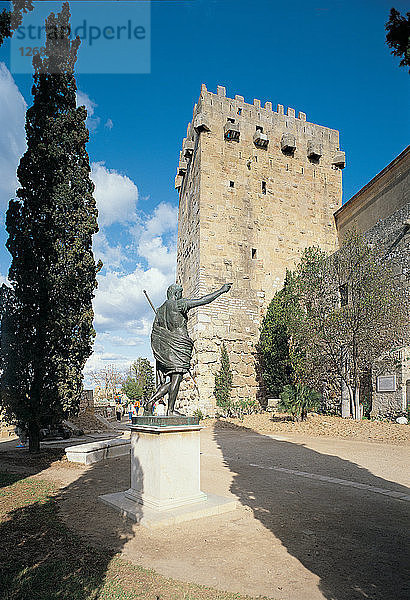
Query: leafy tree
[143,373]
[10,20]
[398,36]
[353,311]
[274,342]
[298,400]
[132,389]
[47,332]
[223,381]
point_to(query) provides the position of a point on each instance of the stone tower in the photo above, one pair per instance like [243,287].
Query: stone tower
[256,186]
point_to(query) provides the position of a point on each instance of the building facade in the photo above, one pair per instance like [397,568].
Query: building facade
[381,211]
[256,186]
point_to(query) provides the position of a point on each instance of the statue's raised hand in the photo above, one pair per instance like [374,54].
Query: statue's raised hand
[226,287]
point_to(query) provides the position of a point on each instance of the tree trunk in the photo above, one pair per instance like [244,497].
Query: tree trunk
[34,437]
[351,400]
[356,414]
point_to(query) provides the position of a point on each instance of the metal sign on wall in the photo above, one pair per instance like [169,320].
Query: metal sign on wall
[386,383]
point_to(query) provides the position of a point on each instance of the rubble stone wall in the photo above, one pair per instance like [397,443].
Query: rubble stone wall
[246,213]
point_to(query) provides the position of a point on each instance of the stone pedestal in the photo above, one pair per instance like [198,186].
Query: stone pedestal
[165,466]
[165,474]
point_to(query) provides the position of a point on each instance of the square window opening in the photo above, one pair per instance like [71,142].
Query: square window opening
[231,120]
[231,184]
[239,111]
[254,253]
[259,128]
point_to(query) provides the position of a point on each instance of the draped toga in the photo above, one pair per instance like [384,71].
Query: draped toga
[171,345]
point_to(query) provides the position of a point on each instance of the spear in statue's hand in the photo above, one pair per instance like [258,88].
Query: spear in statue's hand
[149,301]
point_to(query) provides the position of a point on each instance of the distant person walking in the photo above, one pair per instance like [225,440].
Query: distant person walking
[159,409]
[118,412]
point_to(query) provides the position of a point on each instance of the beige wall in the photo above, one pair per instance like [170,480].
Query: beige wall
[381,197]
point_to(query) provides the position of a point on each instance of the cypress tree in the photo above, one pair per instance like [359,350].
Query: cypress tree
[223,381]
[10,20]
[47,331]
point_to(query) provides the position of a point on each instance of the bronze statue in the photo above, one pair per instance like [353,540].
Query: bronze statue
[171,345]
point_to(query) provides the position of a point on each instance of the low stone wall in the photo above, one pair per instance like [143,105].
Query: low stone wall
[87,454]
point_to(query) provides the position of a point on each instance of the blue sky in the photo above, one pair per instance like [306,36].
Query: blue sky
[326,58]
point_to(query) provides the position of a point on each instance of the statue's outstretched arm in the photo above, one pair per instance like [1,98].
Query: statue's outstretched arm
[209,297]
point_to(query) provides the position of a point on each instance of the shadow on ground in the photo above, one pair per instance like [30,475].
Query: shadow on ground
[354,540]
[40,557]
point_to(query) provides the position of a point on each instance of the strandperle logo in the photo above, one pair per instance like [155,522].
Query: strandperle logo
[85,31]
[115,36]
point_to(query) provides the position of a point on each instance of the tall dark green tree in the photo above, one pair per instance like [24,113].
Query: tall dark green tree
[223,381]
[47,331]
[10,20]
[273,346]
[398,36]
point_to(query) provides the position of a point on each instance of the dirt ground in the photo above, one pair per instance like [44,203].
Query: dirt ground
[321,425]
[318,517]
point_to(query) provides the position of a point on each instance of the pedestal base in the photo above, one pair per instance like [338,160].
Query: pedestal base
[153,519]
[165,477]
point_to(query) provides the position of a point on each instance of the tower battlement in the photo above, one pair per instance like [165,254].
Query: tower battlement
[256,187]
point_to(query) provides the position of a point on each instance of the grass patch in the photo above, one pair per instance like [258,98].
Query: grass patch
[42,559]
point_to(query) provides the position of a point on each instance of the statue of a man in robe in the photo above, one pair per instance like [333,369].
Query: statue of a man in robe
[171,345]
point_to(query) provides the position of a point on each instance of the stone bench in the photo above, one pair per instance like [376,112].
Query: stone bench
[93,452]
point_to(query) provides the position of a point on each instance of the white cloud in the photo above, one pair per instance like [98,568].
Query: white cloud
[109,124]
[112,256]
[90,105]
[120,303]
[13,138]
[151,245]
[116,195]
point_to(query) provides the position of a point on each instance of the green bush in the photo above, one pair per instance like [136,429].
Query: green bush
[199,414]
[298,399]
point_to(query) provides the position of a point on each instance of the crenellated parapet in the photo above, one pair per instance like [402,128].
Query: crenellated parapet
[266,128]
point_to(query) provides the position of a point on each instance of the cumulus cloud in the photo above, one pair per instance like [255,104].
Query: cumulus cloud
[84,100]
[109,124]
[116,195]
[13,138]
[120,303]
[113,256]
[151,246]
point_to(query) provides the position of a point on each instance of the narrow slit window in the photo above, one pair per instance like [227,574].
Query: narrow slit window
[344,294]
[263,187]
[253,253]
[287,167]
[303,170]
[231,184]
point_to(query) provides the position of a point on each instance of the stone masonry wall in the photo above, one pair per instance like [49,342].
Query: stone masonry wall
[393,234]
[246,213]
